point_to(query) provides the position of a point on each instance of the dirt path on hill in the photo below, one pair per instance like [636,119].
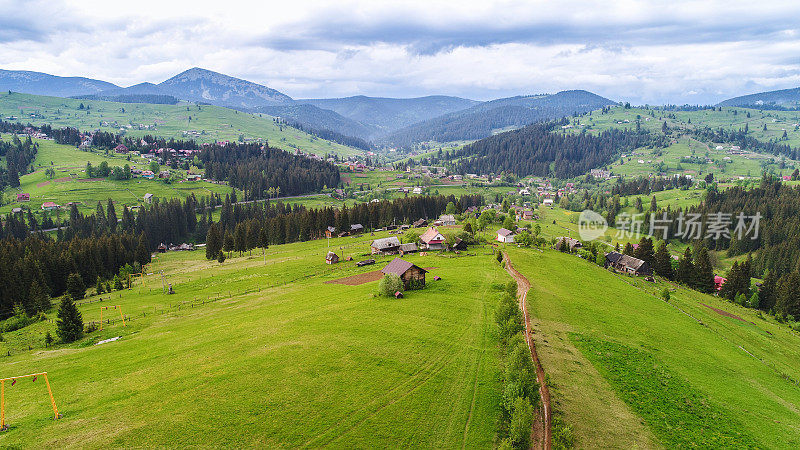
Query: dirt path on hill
[541,425]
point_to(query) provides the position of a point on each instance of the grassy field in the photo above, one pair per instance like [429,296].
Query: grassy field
[204,123]
[70,184]
[620,358]
[305,364]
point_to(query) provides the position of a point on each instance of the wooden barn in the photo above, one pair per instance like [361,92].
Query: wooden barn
[628,264]
[385,246]
[413,276]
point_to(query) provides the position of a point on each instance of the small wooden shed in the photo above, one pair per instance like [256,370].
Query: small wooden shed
[413,276]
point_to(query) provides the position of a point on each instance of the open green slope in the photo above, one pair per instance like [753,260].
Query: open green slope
[204,123]
[620,358]
[306,364]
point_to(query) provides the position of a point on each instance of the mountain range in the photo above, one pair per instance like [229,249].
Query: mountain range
[389,121]
[784,98]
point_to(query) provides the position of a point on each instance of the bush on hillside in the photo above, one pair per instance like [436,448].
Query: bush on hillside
[389,284]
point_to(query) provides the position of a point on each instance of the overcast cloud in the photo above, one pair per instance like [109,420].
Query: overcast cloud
[643,52]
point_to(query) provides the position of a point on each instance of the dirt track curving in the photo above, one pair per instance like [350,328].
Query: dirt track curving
[541,426]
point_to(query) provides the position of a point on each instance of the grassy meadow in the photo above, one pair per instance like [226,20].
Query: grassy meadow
[268,364]
[203,123]
[604,339]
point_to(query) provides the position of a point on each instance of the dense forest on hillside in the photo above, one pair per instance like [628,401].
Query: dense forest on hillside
[481,120]
[329,135]
[536,150]
[19,155]
[256,169]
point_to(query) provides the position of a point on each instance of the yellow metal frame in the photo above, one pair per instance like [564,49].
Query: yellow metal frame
[111,307]
[3,426]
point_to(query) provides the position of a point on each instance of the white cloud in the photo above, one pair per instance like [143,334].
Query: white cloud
[643,52]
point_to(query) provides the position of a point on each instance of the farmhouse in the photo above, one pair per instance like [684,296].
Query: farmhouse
[408,248]
[627,264]
[331,258]
[413,276]
[49,206]
[547,202]
[459,245]
[356,228]
[23,197]
[385,246]
[121,149]
[193,177]
[432,239]
[148,198]
[330,232]
[572,243]
[505,236]
[446,220]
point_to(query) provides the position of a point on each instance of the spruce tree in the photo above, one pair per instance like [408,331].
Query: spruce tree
[766,294]
[75,287]
[111,215]
[685,268]
[662,264]
[70,322]
[645,251]
[787,301]
[213,242]
[703,279]
[38,298]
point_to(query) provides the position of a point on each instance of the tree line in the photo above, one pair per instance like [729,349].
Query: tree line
[19,156]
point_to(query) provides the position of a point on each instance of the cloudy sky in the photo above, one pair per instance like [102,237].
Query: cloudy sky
[644,52]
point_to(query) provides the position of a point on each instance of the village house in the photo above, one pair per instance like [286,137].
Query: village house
[23,197]
[148,175]
[330,232]
[459,245]
[385,246]
[411,247]
[148,198]
[413,277]
[572,243]
[417,190]
[627,264]
[548,202]
[121,149]
[331,258]
[524,214]
[49,206]
[420,223]
[446,220]
[433,240]
[356,228]
[505,236]
[194,177]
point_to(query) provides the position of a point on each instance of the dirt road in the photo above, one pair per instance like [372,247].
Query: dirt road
[541,426]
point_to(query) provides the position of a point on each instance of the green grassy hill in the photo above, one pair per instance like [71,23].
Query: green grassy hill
[270,364]
[631,370]
[71,185]
[204,123]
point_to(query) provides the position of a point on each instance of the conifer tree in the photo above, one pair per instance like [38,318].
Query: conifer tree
[645,251]
[70,322]
[662,262]
[703,279]
[38,298]
[787,301]
[213,241]
[75,287]
[685,268]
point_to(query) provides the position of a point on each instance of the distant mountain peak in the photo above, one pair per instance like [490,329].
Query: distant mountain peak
[203,85]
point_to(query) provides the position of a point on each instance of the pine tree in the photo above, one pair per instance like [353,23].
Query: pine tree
[787,301]
[38,298]
[213,241]
[70,322]
[685,268]
[662,262]
[111,216]
[142,252]
[75,287]
[766,293]
[703,279]
[645,251]
[628,250]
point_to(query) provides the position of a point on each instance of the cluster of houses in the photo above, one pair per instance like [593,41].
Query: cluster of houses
[431,240]
[163,248]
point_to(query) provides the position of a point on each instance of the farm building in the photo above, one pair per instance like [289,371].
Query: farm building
[413,276]
[505,236]
[446,220]
[572,243]
[49,206]
[385,246]
[459,245]
[148,198]
[23,197]
[121,149]
[331,258]
[524,214]
[627,264]
[356,228]
[547,202]
[194,177]
[420,223]
[330,232]
[408,248]
[432,239]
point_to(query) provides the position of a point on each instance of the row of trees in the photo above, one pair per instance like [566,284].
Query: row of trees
[19,155]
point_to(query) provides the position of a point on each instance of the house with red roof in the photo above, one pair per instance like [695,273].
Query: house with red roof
[433,240]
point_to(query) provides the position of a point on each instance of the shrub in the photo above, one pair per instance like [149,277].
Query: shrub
[665,294]
[19,320]
[48,339]
[390,283]
[90,327]
[499,256]
[562,438]
[521,422]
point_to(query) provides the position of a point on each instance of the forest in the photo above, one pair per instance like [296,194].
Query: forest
[536,150]
[19,156]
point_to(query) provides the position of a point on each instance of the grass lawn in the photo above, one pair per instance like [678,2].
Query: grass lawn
[272,365]
[579,309]
[183,121]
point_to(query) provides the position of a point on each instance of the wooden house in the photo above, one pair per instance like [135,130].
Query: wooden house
[356,228]
[385,246]
[413,276]
[23,197]
[459,245]
[411,247]
[627,264]
[573,244]
[330,232]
